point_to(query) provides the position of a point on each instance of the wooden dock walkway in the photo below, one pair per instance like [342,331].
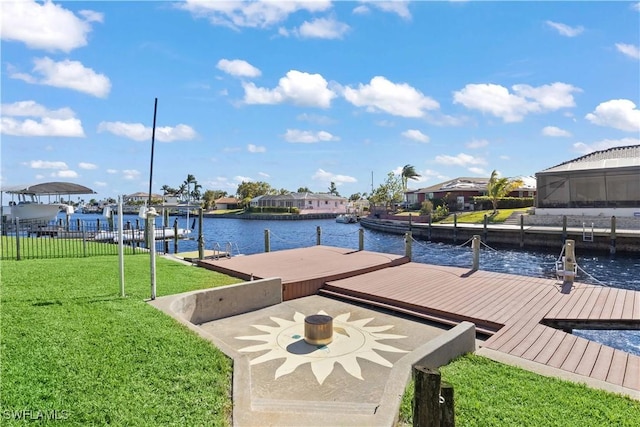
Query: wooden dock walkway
[525,317]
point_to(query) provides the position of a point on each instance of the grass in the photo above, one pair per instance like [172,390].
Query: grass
[477,217]
[487,393]
[70,344]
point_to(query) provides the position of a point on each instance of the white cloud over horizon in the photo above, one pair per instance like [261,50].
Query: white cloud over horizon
[46,26]
[140,132]
[416,135]
[66,74]
[619,114]
[555,131]
[54,123]
[298,88]
[308,137]
[328,177]
[605,144]
[238,68]
[564,29]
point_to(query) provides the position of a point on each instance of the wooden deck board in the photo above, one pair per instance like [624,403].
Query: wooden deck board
[508,306]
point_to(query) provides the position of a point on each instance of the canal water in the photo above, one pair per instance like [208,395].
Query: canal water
[247,237]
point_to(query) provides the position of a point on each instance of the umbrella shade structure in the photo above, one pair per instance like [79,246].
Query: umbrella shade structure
[49,188]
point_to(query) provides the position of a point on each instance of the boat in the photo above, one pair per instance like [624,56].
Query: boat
[347,218]
[132,235]
[30,208]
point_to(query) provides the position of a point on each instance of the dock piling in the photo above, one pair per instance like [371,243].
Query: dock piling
[361,239]
[267,242]
[475,245]
[612,248]
[318,235]
[407,244]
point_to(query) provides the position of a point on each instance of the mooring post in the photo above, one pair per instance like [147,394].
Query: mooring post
[569,265]
[267,243]
[564,228]
[455,228]
[447,412]
[409,222]
[475,245]
[318,235]
[522,231]
[429,228]
[165,223]
[484,227]
[361,239]
[426,397]
[612,248]
[407,245]
[175,236]
[200,234]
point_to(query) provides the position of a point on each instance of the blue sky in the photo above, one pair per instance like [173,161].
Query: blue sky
[300,94]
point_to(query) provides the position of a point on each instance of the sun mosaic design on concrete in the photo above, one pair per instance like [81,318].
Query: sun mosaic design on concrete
[351,340]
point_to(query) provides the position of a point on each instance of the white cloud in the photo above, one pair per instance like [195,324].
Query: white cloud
[112,171]
[565,30]
[619,114]
[265,175]
[555,131]
[323,28]
[605,144]
[399,7]
[477,143]
[130,174]
[140,132]
[238,68]
[59,122]
[44,164]
[636,6]
[630,50]
[65,174]
[512,107]
[315,118]
[256,149]
[87,166]
[253,14]
[324,176]
[398,99]
[461,159]
[478,171]
[45,25]
[240,178]
[67,74]
[308,137]
[415,135]
[299,88]
[361,10]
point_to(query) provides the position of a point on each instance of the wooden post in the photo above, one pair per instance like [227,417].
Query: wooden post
[426,399]
[612,248]
[318,235]
[429,229]
[564,228]
[361,239]
[407,244]
[175,236]
[409,222]
[201,235]
[569,265]
[97,224]
[484,227]
[455,228]
[165,223]
[447,411]
[475,245]
[267,243]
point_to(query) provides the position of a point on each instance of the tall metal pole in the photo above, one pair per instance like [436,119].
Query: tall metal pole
[153,141]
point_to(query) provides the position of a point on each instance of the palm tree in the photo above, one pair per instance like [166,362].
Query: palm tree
[182,189]
[498,188]
[408,172]
[190,180]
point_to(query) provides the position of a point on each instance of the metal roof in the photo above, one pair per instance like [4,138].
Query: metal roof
[612,158]
[49,188]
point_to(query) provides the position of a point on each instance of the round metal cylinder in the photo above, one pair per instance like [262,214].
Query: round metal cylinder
[318,329]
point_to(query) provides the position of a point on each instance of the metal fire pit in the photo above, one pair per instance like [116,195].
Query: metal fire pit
[318,329]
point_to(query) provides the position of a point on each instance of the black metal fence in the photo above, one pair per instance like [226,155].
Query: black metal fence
[75,239]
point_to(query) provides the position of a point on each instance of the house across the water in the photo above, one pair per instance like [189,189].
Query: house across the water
[306,203]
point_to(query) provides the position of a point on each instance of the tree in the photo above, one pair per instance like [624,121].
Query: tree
[181,190]
[304,190]
[248,190]
[195,193]
[389,192]
[190,180]
[168,191]
[283,192]
[408,172]
[498,188]
[333,190]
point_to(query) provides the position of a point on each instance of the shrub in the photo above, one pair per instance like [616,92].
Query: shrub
[484,202]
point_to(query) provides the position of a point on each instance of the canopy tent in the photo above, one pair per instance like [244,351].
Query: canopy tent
[49,188]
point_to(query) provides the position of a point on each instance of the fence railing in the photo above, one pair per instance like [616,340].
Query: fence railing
[73,239]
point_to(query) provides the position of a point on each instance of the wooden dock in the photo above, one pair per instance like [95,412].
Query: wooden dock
[516,313]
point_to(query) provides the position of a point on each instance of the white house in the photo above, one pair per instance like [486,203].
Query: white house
[306,202]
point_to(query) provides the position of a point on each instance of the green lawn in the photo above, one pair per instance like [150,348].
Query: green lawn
[487,393]
[477,217]
[69,343]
